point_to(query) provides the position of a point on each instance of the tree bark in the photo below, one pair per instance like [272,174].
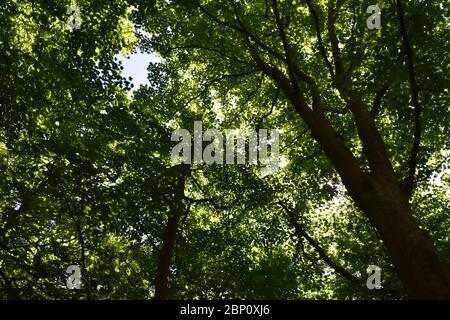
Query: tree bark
[418,265]
[165,257]
[162,275]
[379,195]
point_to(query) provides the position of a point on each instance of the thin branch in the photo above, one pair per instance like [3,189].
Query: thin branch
[12,293]
[415,100]
[209,84]
[249,97]
[298,137]
[218,51]
[294,71]
[12,216]
[316,100]
[332,16]
[323,52]
[274,101]
[301,233]
[211,201]
[82,246]
[286,46]
[377,101]
[272,72]
[243,31]
[323,255]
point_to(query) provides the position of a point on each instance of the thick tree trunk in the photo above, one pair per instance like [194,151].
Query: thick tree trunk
[382,200]
[379,195]
[376,189]
[419,267]
[162,275]
[165,257]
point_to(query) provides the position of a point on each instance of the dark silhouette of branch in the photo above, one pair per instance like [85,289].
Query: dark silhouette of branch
[332,16]
[11,292]
[170,233]
[301,233]
[415,100]
[245,32]
[211,201]
[377,101]
[286,46]
[209,84]
[215,50]
[274,101]
[323,52]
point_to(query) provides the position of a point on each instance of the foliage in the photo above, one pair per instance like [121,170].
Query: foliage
[86,177]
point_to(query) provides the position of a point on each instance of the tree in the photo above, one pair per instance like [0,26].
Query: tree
[291,43]
[87,178]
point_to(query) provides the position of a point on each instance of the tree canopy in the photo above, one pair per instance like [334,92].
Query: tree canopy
[86,172]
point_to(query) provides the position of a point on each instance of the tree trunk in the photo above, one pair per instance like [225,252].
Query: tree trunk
[418,265]
[162,274]
[375,190]
[379,195]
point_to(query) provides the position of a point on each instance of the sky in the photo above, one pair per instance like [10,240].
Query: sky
[136,67]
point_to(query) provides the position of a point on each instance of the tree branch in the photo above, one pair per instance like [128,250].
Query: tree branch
[243,31]
[170,233]
[377,101]
[332,16]
[215,50]
[323,52]
[301,233]
[274,101]
[415,100]
[209,84]
[211,201]
[287,49]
